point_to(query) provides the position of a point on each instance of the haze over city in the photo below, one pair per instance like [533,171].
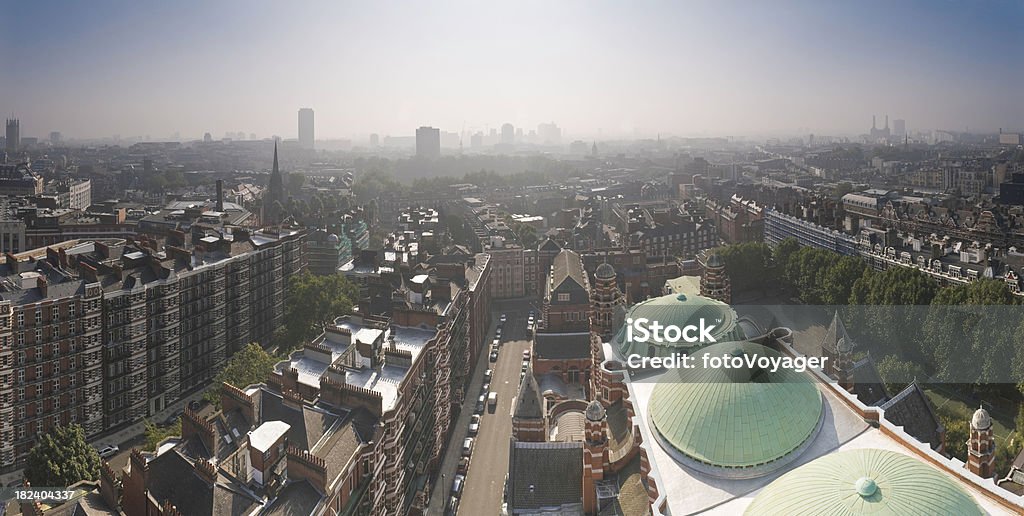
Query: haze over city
[598,69]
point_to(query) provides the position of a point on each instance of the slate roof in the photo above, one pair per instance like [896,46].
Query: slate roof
[172,477]
[529,403]
[307,424]
[296,499]
[561,346]
[912,410]
[836,332]
[867,383]
[549,245]
[567,274]
[545,474]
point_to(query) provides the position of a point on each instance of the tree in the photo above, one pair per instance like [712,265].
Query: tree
[838,280]
[251,364]
[312,301]
[155,434]
[957,434]
[897,374]
[295,182]
[62,457]
[747,264]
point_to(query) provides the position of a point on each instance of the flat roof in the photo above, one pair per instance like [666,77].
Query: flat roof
[265,435]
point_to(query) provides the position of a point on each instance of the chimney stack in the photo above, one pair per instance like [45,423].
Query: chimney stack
[220,195]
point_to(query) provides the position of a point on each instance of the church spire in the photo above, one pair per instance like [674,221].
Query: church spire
[276,171]
[275,190]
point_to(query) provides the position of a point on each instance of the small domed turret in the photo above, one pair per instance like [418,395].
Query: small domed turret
[604,271]
[981,420]
[595,412]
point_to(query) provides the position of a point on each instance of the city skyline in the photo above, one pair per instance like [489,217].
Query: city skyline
[605,70]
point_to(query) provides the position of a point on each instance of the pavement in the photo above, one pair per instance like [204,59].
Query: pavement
[485,481]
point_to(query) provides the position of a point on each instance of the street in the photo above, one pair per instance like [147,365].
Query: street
[482,493]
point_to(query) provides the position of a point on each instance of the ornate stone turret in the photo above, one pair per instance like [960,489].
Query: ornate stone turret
[981,446]
[595,453]
[604,300]
[714,283]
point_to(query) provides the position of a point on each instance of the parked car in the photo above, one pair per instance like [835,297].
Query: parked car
[480,404]
[526,364]
[171,419]
[463,465]
[485,388]
[494,356]
[474,424]
[487,375]
[497,333]
[526,354]
[108,451]
[467,447]
[492,402]
[453,506]
[457,484]
[503,318]
[495,343]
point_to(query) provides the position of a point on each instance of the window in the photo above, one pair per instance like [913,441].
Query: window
[39,316]
[563,297]
[39,371]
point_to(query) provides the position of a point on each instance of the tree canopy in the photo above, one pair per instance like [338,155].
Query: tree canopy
[251,364]
[62,457]
[311,302]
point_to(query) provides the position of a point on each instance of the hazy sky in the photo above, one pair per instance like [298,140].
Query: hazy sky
[99,68]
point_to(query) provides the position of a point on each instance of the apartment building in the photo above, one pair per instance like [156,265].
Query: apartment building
[104,333]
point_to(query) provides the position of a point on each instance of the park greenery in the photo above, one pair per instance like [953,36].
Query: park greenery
[61,457]
[969,338]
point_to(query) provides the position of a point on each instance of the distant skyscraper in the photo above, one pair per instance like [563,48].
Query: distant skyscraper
[879,134]
[899,127]
[428,142]
[508,134]
[549,134]
[306,128]
[55,137]
[374,140]
[207,137]
[477,140]
[13,141]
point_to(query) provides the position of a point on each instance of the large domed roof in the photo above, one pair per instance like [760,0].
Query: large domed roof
[678,310]
[864,481]
[738,423]
[604,271]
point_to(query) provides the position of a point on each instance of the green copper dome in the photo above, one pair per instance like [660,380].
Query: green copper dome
[678,310]
[737,423]
[867,481]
